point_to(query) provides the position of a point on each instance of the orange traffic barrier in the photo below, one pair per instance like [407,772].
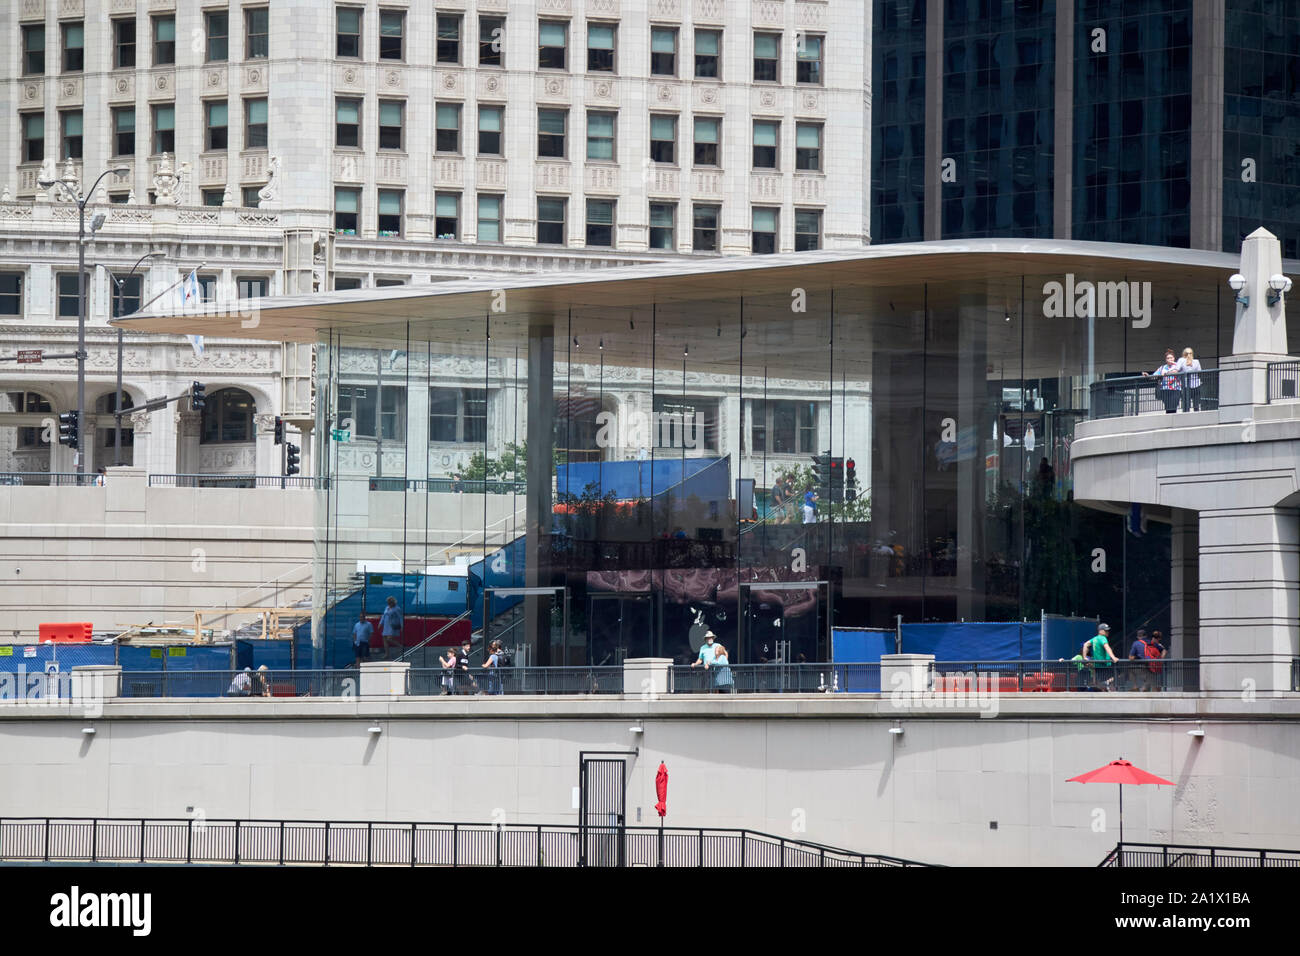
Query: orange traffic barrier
[79,633]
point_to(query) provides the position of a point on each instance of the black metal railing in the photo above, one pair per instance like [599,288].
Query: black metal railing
[776,678]
[362,843]
[238,481]
[1158,675]
[1186,855]
[431,681]
[240,683]
[49,478]
[449,486]
[1282,379]
[1148,394]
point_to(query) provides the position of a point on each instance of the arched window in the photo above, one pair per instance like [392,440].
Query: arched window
[29,436]
[227,417]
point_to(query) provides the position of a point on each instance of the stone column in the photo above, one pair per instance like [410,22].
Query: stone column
[187,441]
[267,456]
[1184,586]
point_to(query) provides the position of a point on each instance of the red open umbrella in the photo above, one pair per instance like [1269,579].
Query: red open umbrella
[1120,772]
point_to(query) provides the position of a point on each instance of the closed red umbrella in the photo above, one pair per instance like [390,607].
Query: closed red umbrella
[1120,772]
[661,790]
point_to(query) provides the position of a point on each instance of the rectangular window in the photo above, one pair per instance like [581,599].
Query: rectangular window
[124,131]
[390,124]
[217,28]
[342,283]
[808,146]
[347,122]
[33,137]
[663,139]
[390,212]
[489,218]
[663,225]
[708,54]
[791,425]
[447,135]
[446,215]
[361,402]
[213,197]
[74,47]
[255,124]
[707,136]
[208,288]
[767,57]
[347,208]
[807,229]
[257,28]
[458,415]
[552,45]
[491,41]
[69,295]
[766,137]
[251,287]
[164,40]
[808,60]
[489,130]
[448,39]
[392,25]
[34,50]
[347,32]
[126,299]
[600,222]
[70,122]
[124,43]
[600,136]
[11,293]
[663,51]
[600,47]
[550,220]
[164,129]
[119,198]
[249,197]
[217,116]
[763,230]
[551,126]
[704,230]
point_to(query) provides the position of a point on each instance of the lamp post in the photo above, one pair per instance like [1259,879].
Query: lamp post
[71,186]
[117,406]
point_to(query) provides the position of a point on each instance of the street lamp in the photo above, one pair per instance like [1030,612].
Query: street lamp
[71,186]
[121,289]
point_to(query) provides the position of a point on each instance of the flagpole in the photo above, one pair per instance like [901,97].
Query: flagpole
[170,287]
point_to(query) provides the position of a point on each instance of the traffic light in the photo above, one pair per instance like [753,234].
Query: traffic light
[68,429]
[850,480]
[291,459]
[279,430]
[197,390]
[821,472]
[837,479]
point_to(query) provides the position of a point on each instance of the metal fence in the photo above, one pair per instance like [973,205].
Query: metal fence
[430,681]
[1164,675]
[237,481]
[1148,394]
[48,478]
[1282,378]
[232,683]
[323,843]
[449,486]
[776,678]
[1183,855]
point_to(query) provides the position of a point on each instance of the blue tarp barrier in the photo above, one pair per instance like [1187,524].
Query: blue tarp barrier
[974,641]
[1063,637]
[858,646]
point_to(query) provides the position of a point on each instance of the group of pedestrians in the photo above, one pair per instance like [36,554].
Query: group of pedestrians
[1103,665]
[457,678]
[716,663]
[391,624]
[1179,381]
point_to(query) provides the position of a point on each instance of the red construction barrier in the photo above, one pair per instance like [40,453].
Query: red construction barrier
[416,629]
[78,633]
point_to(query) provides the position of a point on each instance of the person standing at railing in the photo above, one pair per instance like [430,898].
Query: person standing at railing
[1191,381]
[721,667]
[448,671]
[1170,386]
[361,634]
[492,665]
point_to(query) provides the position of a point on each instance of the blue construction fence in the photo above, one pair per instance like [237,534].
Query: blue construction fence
[1052,638]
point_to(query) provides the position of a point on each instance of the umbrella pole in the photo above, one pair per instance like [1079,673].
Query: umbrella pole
[1121,824]
[661,841]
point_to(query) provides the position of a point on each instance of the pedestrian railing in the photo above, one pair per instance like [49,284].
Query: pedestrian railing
[1155,675]
[48,478]
[776,678]
[240,683]
[432,681]
[362,843]
[448,486]
[1186,855]
[1282,378]
[1149,394]
[238,481]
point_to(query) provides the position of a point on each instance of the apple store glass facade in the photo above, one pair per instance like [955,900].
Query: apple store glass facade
[606,477]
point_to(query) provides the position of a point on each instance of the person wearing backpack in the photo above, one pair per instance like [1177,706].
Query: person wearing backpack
[1155,651]
[1138,652]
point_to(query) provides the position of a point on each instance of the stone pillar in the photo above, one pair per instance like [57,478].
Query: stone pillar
[384,678]
[267,456]
[647,675]
[1184,586]
[907,674]
[187,441]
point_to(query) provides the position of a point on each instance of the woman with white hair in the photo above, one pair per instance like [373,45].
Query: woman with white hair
[1189,366]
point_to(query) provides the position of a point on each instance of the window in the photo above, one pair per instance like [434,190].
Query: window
[807,229]
[249,197]
[706,140]
[764,230]
[69,295]
[458,414]
[550,220]
[446,215]
[361,402]
[70,122]
[347,207]
[390,124]
[489,130]
[385,283]
[704,231]
[489,218]
[164,40]
[347,122]
[213,197]
[347,32]
[491,41]
[11,293]
[663,225]
[808,60]
[808,146]
[124,43]
[708,54]
[342,283]
[124,131]
[208,288]
[600,136]
[767,57]
[164,129]
[218,31]
[391,25]
[766,137]
[127,298]
[217,114]
[550,132]
[74,47]
[679,418]
[227,417]
[255,124]
[119,198]
[448,39]
[552,43]
[600,222]
[33,137]
[256,30]
[791,426]
[33,49]
[251,287]
[663,51]
[390,212]
[107,405]
[447,135]
[663,139]
[30,436]
[600,47]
